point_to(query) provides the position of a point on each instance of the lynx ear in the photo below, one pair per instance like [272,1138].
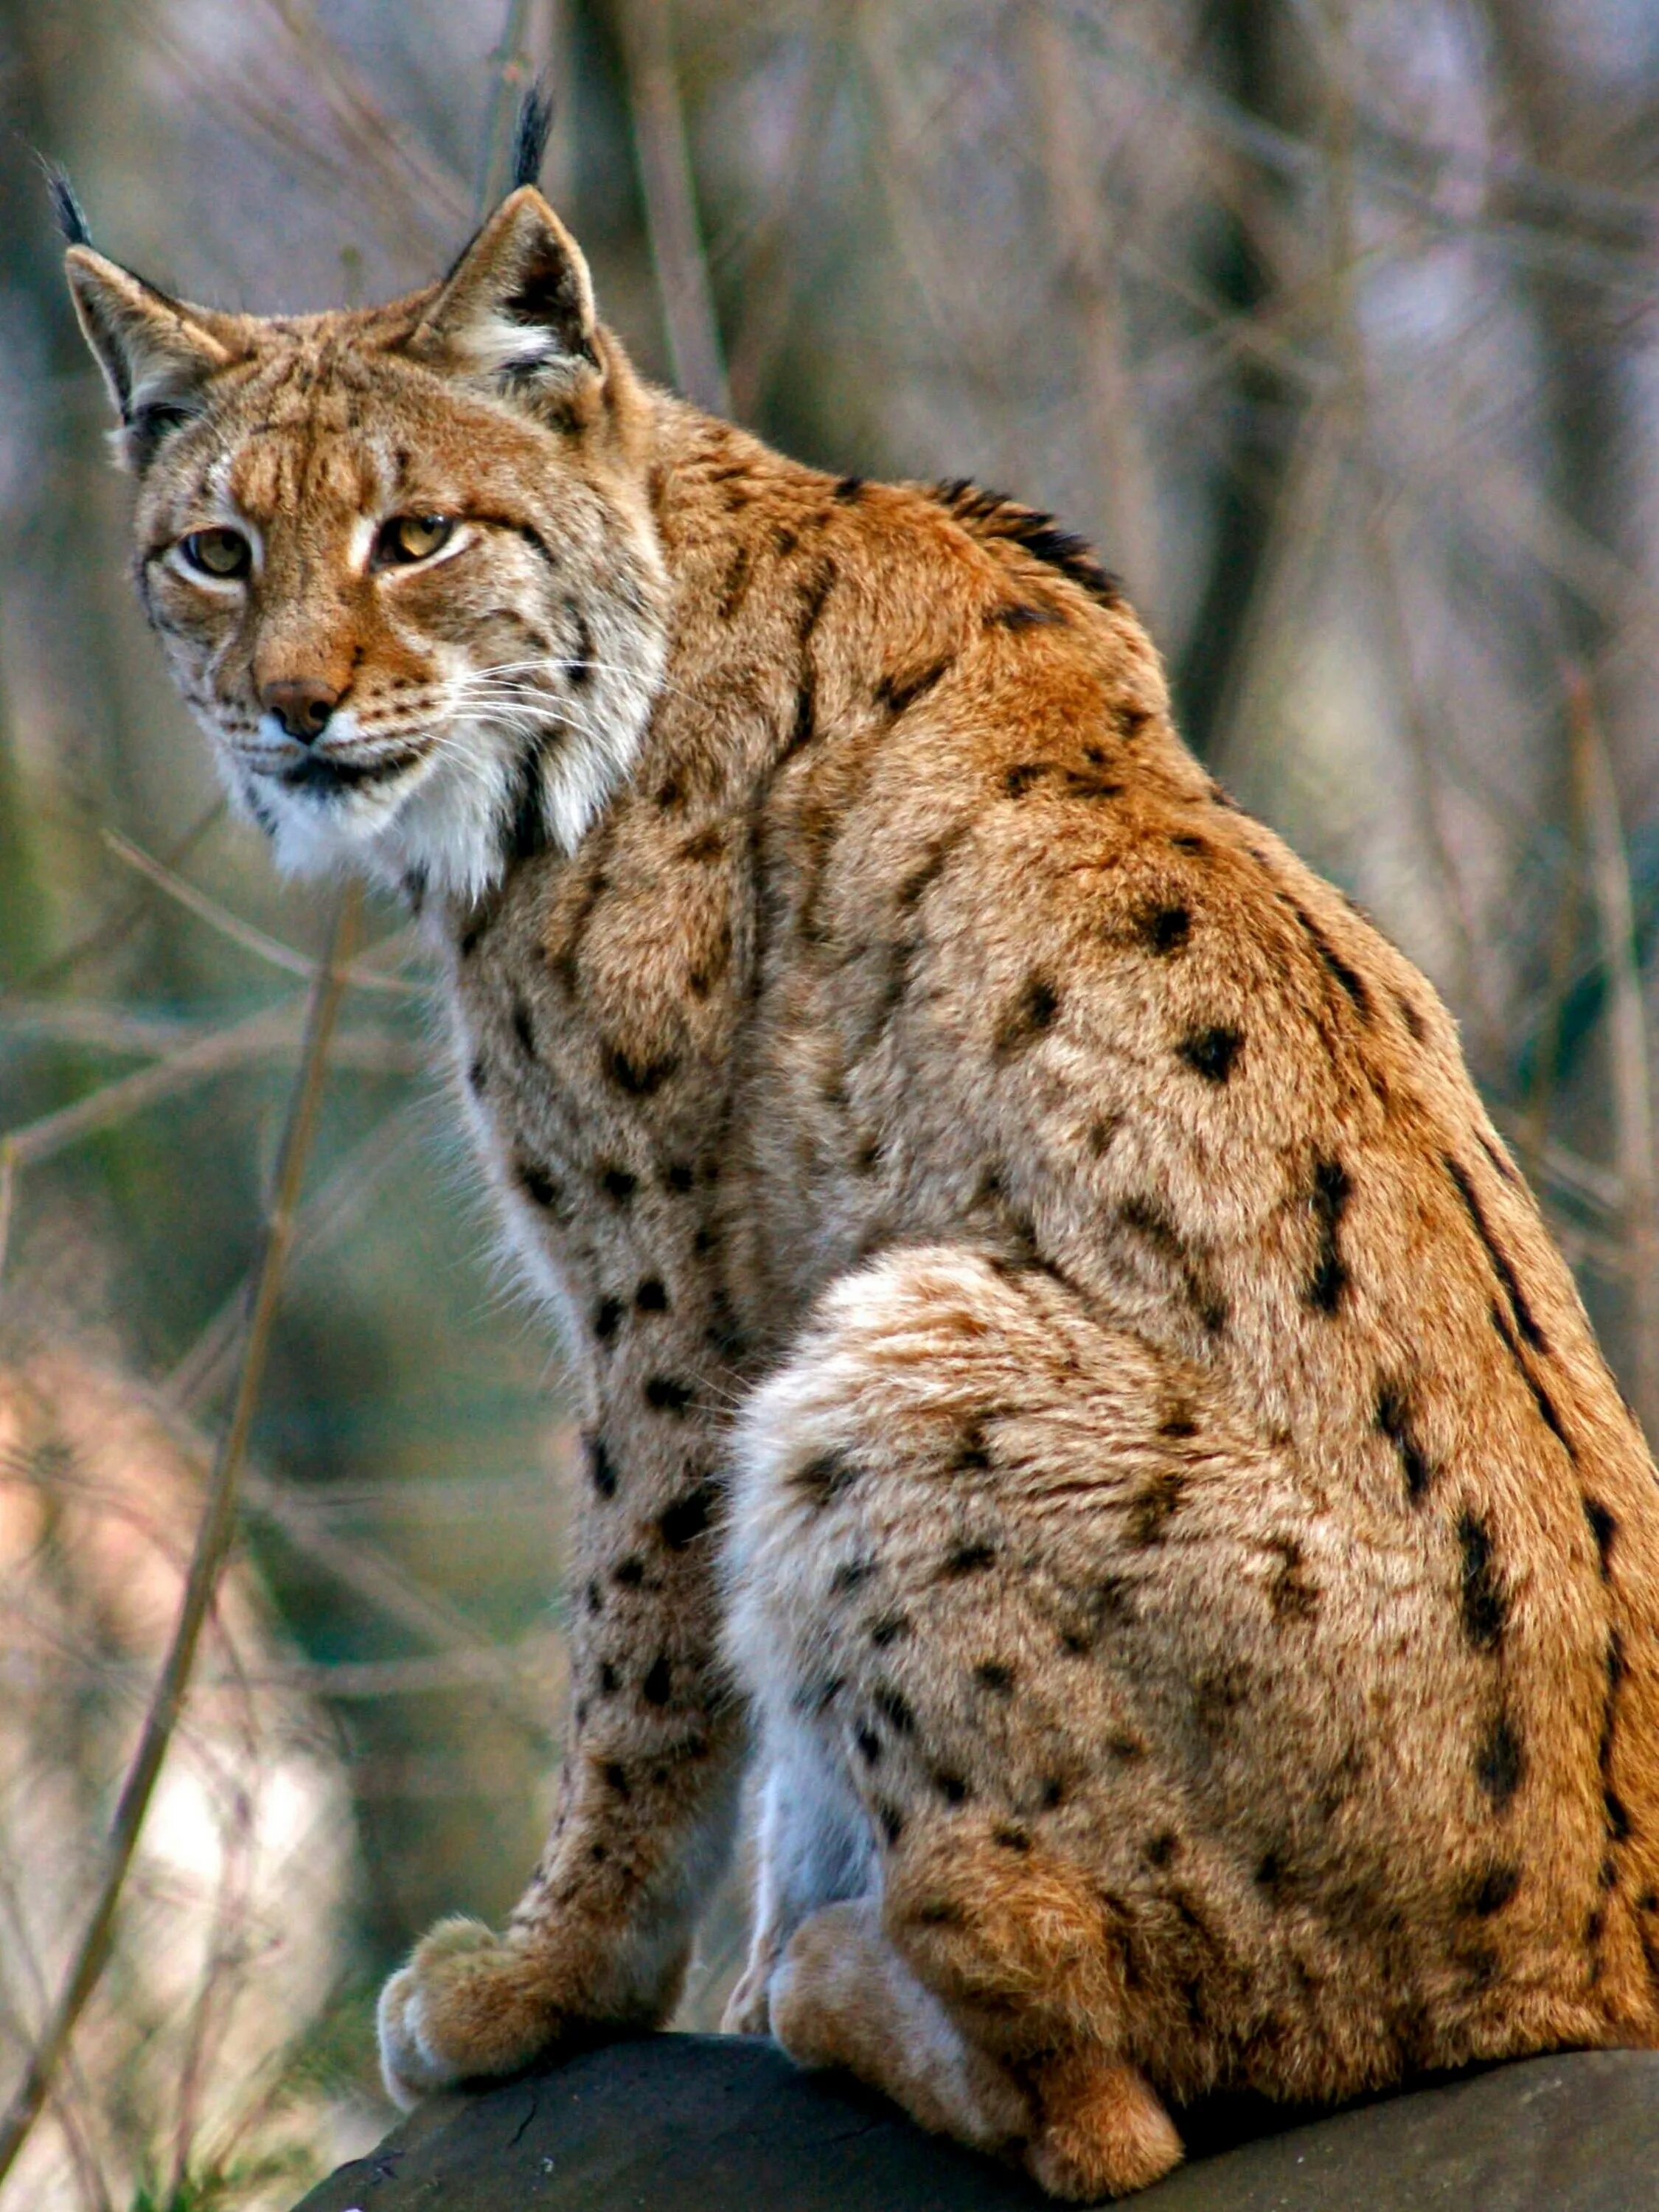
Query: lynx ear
[518,307]
[155,356]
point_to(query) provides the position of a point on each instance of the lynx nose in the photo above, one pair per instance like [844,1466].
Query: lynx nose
[302,705]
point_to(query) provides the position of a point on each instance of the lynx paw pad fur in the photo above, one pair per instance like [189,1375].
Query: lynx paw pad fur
[467,2003]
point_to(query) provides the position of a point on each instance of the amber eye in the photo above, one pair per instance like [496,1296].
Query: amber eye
[218,553]
[411,537]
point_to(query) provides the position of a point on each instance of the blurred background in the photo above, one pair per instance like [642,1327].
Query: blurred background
[1333,325]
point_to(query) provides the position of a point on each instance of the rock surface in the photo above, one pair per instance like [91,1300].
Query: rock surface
[710,2124]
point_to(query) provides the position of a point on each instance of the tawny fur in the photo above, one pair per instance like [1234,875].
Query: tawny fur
[1070,1371]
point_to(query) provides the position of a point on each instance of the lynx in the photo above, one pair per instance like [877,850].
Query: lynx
[1078,1397]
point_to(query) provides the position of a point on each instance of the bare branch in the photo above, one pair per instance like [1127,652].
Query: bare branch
[213,1538]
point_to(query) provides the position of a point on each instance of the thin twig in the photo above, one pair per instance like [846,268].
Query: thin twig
[112,926]
[244,933]
[213,1538]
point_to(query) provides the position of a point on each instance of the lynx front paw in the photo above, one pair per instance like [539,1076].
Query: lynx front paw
[467,2003]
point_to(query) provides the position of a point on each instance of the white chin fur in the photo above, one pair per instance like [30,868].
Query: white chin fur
[450,815]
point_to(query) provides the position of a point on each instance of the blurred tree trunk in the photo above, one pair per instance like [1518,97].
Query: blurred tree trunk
[1570,137]
[1258,407]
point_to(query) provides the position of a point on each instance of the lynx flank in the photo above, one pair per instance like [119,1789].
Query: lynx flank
[1075,1387]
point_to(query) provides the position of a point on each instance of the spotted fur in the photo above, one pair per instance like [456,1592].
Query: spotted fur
[1069,1374]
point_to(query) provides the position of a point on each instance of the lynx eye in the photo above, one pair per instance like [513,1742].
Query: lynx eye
[221,554]
[409,537]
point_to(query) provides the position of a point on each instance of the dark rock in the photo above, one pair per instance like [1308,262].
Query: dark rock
[713,2124]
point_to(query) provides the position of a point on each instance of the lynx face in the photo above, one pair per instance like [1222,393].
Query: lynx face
[401,562]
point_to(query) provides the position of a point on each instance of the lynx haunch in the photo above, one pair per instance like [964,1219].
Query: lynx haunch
[1076,1392]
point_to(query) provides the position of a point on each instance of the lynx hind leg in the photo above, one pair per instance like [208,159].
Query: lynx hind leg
[903,1581]
[843,1997]
[813,1847]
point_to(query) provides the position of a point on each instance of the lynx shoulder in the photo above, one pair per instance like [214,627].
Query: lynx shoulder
[1078,1397]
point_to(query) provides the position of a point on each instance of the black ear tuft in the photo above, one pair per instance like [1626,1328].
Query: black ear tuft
[67,211]
[530,139]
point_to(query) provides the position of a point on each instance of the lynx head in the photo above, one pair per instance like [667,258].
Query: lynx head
[402,560]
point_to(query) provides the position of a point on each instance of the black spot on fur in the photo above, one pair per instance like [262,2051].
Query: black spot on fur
[1016,615]
[1165,929]
[894,1709]
[1212,1052]
[689,1517]
[650,1296]
[1217,1696]
[677,1178]
[1501,1162]
[618,1184]
[1185,841]
[1081,783]
[658,1685]
[1272,1876]
[1528,1327]
[522,1030]
[538,1185]
[629,1573]
[870,1746]
[892,1823]
[971,1558]
[1034,1012]
[852,1575]
[993,1674]
[601,1470]
[1291,1598]
[1393,1418]
[973,1453]
[950,1787]
[1615,1810]
[1153,1508]
[478,1076]
[892,1628]
[738,577]
[1500,1762]
[607,1319]
[610,1680]
[1540,1396]
[638,1078]
[1161,1850]
[1485,1608]
[990,514]
[1604,1529]
[825,1477]
[819,584]
[848,491]
[666,1394]
[804,724]
[1146,1218]
[616,1777]
[1178,1422]
[1416,1029]
[1011,1838]
[897,693]
[1336,966]
[595,1598]
[1329,1196]
[1490,1892]
[916,886]
[1021,777]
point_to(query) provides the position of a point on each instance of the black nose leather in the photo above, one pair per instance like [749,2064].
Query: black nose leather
[302,704]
